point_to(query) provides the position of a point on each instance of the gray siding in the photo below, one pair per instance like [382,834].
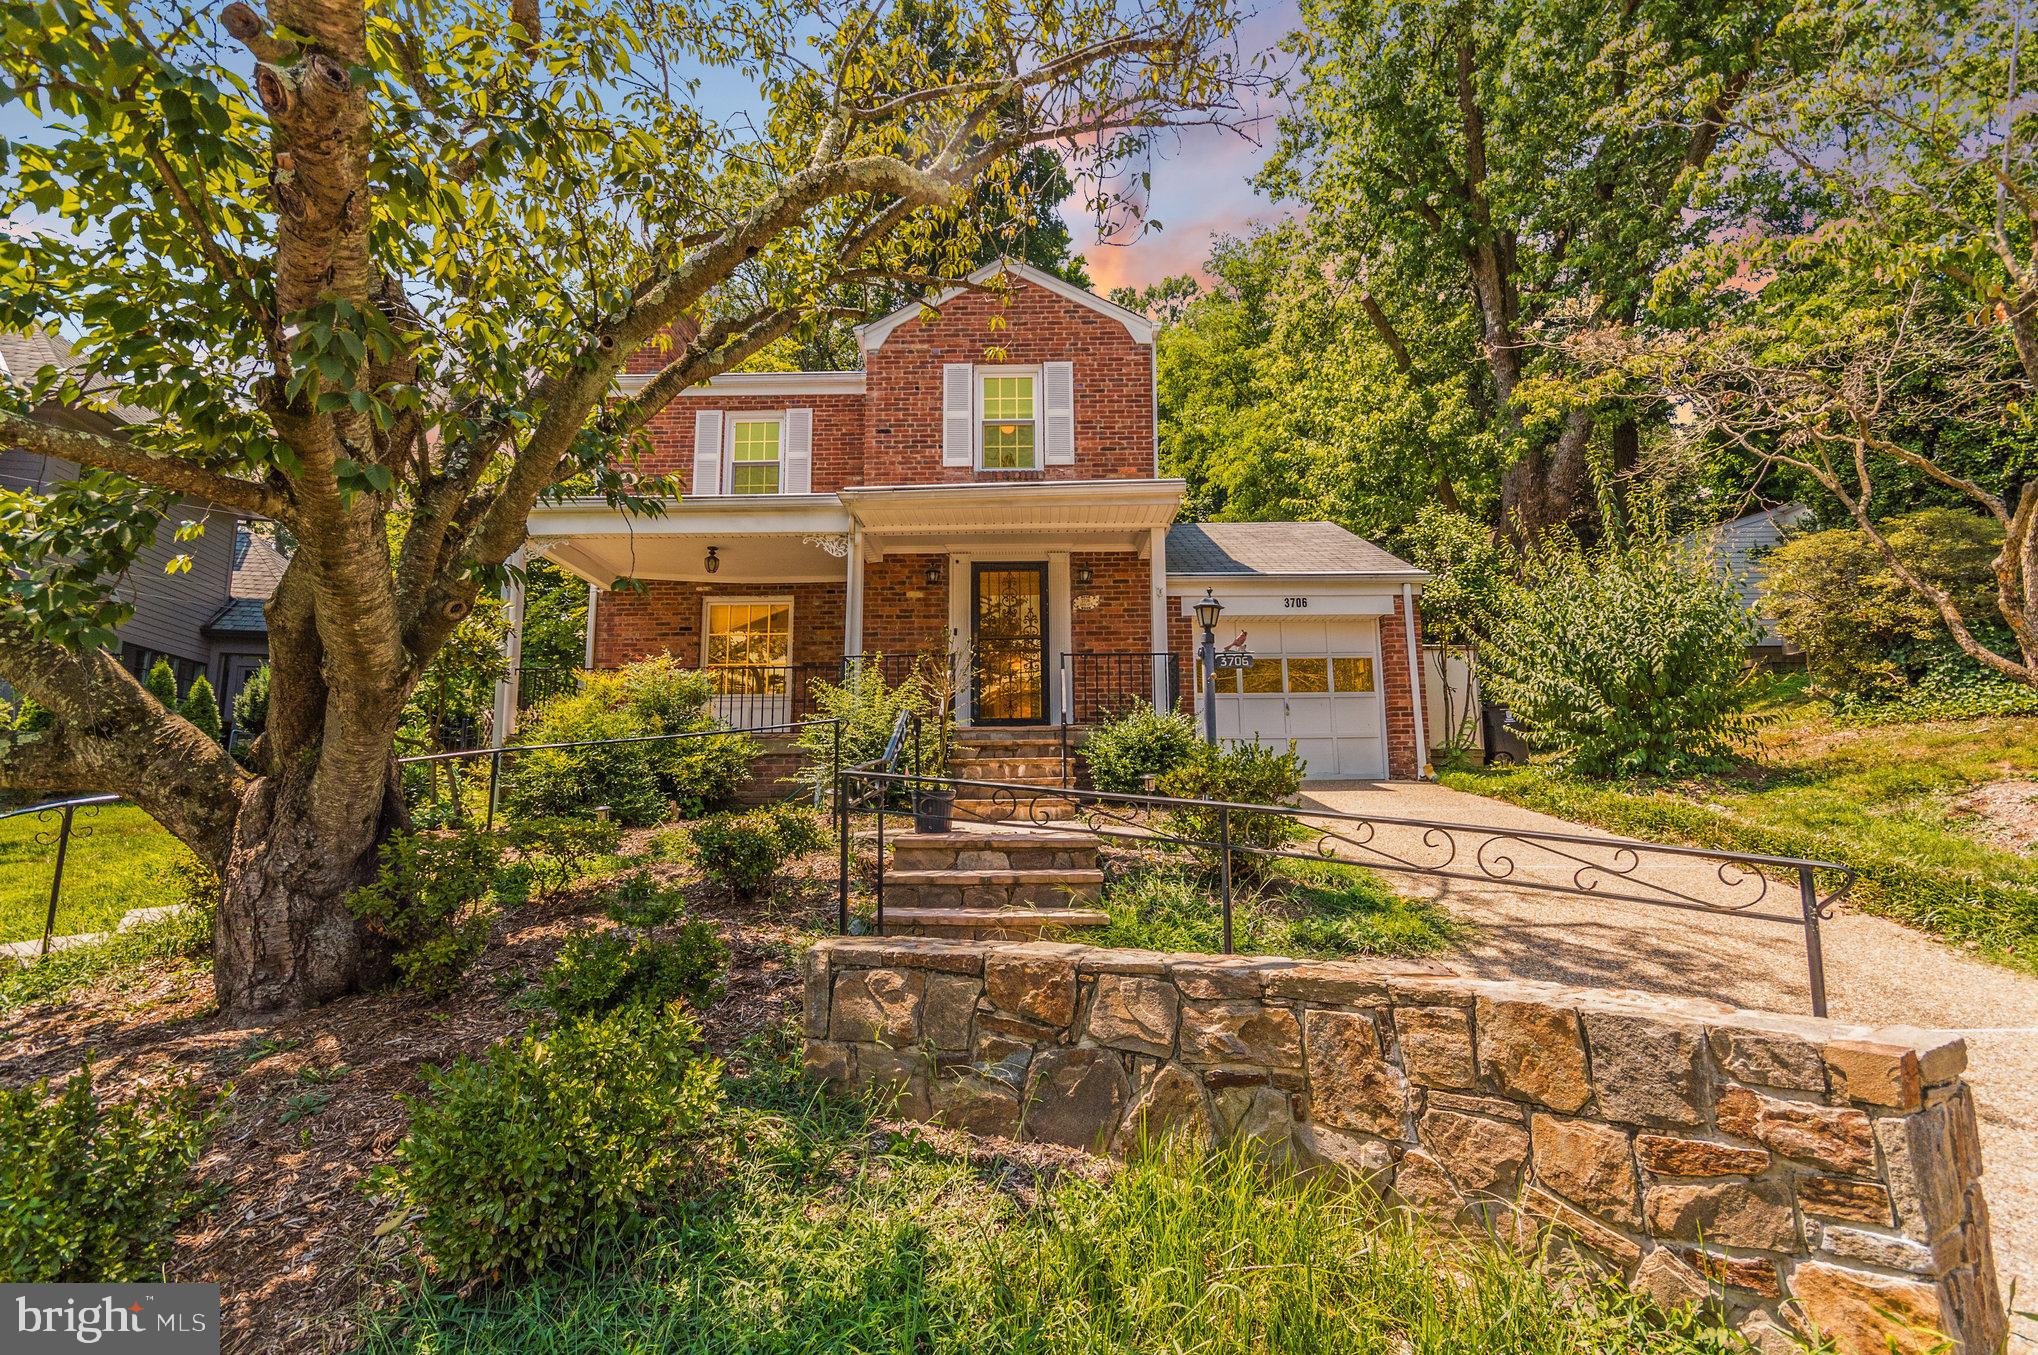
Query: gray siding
[170,610]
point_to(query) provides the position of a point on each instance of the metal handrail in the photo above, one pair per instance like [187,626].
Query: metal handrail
[1110,814]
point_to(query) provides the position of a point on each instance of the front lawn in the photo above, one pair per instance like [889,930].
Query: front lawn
[1896,801]
[1302,909]
[119,858]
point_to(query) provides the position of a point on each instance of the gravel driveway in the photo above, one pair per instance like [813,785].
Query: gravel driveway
[1876,972]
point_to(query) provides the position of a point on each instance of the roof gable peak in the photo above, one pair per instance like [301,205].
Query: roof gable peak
[871,336]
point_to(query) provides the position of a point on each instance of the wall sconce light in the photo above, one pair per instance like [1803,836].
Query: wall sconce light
[714,561]
[1083,576]
[933,575]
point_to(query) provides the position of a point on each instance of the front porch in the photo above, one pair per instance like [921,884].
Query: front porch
[1039,603]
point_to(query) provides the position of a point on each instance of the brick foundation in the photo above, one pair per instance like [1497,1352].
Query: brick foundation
[1782,1170]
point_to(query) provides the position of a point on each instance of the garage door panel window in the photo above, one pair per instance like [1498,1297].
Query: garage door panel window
[1352,674]
[1306,676]
[1263,678]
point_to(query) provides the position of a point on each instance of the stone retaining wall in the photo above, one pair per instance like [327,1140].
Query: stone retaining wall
[1787,1169]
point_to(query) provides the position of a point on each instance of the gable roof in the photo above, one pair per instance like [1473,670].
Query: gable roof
[23,353]
[1243,549]
[870,337]
[258,566]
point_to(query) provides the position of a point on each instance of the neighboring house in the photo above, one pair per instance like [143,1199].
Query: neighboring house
[238,630]
[1004,517]
[1739,547]
[175,615]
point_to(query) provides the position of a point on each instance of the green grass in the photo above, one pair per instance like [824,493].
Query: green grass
[119,859]
[1300,908]
[826,1236]
[184,937]
[1877,798]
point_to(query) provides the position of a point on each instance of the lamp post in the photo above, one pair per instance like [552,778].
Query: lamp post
[1207,611]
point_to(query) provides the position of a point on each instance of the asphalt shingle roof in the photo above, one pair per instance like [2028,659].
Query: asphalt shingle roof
[23,353]
[1248,548]
[258,566]
[240,616]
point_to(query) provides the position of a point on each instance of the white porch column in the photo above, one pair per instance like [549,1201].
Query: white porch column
[593,596]
[852,605]
[1157,556]
[1060,631]
[505,722]
[960,636]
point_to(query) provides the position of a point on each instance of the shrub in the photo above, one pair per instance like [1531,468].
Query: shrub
[161,683]
[868,707]
[741,851]
[598,972]
[636,781]
[800,830]
[94,1193]
[1626,661]
[1242,773]
[1122,752]
[430,899]
[201,708]
[551,854]
[640,901]
[555,1141]
[1866,637]
[251,707]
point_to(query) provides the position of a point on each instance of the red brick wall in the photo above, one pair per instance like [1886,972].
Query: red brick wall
[902,612]
[666,619]
[1122,620]
[1403,761]
[838,435]
[1113,380]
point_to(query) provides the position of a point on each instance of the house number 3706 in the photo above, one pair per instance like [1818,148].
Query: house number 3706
[1295,604]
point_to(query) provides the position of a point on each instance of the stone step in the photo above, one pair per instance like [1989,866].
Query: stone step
[989,924]
[1082,856]
[1012,768]
[1003,835]
[1040,889]
[994,875]
[966,743]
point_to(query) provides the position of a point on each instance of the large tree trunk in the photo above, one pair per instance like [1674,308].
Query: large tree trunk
[285,939]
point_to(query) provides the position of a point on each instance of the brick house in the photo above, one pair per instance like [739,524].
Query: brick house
[984,495]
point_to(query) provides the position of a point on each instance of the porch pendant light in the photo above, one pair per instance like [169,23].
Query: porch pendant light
[714,561]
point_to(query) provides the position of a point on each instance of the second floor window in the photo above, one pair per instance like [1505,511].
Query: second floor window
[754,456]
[1009,418]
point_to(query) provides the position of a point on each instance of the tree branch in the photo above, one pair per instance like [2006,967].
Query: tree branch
[161,469]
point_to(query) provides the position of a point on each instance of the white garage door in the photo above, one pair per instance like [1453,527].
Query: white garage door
[1315,682]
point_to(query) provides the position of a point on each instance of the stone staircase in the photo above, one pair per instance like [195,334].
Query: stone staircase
[1027,756]
[992,882]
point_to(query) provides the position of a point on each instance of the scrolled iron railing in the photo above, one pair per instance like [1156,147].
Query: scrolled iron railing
[1608,869]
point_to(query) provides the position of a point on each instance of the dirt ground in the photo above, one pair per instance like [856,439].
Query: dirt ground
[297,1243]
[1877,972]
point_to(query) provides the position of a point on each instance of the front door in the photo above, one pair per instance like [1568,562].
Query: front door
[1008,613]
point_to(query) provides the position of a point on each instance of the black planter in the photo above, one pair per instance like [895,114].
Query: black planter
[933,810]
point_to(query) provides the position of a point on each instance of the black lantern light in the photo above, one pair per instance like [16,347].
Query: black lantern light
[714,561]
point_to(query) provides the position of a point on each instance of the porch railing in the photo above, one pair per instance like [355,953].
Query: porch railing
[1098,686]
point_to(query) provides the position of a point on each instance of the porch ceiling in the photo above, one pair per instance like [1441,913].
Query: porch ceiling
[786,539]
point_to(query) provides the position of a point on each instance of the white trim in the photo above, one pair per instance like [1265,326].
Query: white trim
[504,723]
[872,336]
[852,609]
[959,630]
[709,601]
[719,514]
[732,417]
[977,421]
[593,593]
[1157,574]
[1060,603]
[758,383]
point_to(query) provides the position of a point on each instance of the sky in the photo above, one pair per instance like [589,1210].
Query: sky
[1201,185]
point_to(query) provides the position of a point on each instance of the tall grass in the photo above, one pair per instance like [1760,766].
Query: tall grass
[829,1236]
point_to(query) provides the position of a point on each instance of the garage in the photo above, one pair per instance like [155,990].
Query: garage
[1315,683]
[1326,616]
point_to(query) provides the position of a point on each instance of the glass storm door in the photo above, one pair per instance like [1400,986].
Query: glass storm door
[1008,609]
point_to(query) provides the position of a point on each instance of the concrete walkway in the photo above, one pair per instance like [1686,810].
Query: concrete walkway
[1876,971]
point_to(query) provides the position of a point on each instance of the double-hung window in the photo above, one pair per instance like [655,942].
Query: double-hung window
[756,454]
[1008,418]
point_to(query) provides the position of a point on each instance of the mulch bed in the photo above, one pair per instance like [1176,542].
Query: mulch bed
[293,1241]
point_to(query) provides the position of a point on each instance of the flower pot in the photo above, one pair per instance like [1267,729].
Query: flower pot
[933,810]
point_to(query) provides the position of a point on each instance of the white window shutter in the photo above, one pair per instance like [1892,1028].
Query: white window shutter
[958,414]
[799,452]
[1058,413]
[707,451]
